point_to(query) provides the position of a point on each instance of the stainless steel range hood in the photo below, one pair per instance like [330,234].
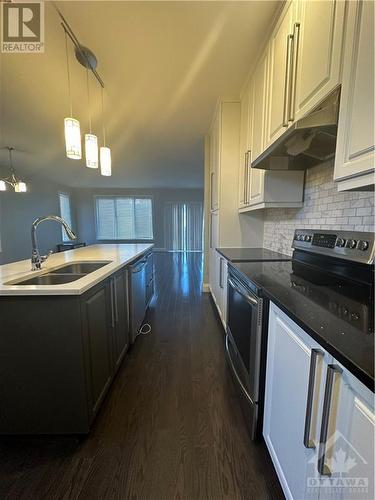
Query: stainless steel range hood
[308,142]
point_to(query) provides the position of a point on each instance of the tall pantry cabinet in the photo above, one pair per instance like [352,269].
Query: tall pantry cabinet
[224,223]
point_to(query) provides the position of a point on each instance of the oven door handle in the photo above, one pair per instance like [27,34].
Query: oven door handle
[234,371]
[242,292]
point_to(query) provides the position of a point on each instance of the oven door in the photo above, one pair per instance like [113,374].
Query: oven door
[244,329]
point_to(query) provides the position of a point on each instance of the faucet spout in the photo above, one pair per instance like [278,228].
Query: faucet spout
[36,258]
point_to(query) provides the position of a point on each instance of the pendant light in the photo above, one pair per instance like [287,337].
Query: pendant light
[71,125]
[16,183]
[105,152]
[91,141]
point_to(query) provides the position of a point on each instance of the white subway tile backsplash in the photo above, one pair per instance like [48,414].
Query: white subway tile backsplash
[324,208]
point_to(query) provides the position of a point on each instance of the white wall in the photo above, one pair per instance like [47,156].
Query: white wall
[19,210]
[324,208]
[84,201]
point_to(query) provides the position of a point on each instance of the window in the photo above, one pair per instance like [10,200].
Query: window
[123,218]
[65,212]
[184,226]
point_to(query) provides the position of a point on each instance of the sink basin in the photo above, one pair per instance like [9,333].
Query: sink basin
[50,279]
[79,267]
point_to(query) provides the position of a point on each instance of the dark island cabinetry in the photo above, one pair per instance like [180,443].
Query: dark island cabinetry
[59,355]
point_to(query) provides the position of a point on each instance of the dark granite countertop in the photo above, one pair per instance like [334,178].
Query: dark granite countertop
[335,313]
[251,254]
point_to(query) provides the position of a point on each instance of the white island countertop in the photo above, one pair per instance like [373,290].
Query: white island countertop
[119,256]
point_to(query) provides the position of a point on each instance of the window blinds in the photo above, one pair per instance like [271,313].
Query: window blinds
[124,218]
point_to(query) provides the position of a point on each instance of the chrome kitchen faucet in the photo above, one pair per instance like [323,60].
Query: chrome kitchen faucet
[37,259]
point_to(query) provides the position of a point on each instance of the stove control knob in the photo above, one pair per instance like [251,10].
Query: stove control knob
[307,238]
[351,244]
[362,245]
[340,242]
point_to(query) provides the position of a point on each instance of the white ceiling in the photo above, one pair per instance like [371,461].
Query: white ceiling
[164,65]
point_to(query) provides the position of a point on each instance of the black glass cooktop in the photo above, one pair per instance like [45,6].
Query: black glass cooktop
[251,254]
[335,310]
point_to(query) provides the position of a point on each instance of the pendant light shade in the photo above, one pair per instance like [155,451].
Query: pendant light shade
[105,161]
[3,186]
[73,138]
[91,151]
[72,128]
[20,187]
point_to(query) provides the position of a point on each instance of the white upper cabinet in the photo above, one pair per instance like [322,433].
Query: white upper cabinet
[355,158]
[258,107]
[316,59]
[245,146]
[280,52]
[259,188]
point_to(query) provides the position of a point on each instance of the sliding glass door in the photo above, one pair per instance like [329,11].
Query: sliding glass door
[184,226]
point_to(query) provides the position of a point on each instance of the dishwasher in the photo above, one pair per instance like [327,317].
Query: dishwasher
[139,279]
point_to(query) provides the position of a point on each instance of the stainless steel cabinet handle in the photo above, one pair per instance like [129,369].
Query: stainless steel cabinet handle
[245,178]
[211,190]
[309,443]
[247,175]
[242,292]
[112,310]
[115,298]
[293,73]
[332,370]
[221,273]
[287,78]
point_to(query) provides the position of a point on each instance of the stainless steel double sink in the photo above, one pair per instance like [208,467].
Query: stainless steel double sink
[63,274]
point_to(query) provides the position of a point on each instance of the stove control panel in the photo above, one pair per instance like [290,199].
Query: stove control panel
[349,245]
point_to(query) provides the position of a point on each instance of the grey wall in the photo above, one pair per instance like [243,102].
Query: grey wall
[84,201]
[17,212]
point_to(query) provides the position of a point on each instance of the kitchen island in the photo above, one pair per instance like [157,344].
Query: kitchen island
[61,345]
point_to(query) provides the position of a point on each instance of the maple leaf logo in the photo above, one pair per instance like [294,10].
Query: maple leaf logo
[342,462]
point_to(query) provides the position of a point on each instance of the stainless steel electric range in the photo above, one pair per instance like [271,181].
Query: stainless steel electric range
[327,288]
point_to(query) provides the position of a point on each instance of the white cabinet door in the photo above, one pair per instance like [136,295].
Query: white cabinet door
[215,150]
[317,43]
[356,135]
[348,453]
[279,74]
[245,137]
[292,359]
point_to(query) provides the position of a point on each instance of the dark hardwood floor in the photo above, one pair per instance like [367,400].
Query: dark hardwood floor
[170,428]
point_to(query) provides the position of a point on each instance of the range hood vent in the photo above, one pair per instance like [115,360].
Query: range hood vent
[308,142]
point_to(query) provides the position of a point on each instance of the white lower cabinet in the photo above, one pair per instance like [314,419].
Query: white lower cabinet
[318,418]
[218,284]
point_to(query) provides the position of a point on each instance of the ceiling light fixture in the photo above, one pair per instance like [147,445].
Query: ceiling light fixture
[71,125]
[105,152]
[16,183]
[91,140]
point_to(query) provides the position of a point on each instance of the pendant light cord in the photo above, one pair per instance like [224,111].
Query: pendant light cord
[103,117]
[88,97]
[68,74]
